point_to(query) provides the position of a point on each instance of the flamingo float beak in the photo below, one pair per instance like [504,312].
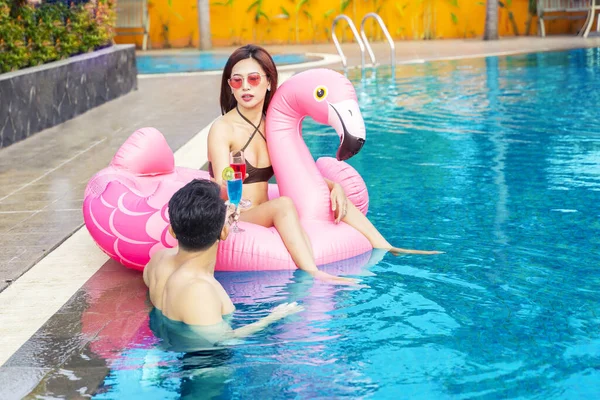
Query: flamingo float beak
[346,119]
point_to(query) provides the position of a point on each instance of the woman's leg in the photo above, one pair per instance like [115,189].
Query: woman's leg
[361,223]
[281,213]
[308,244]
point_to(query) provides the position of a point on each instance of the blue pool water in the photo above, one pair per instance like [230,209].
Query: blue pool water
[496,162]
[202,61]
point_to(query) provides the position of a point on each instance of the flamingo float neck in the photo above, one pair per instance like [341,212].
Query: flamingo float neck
[329,98]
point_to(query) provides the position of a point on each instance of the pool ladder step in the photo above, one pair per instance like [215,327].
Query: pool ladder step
[362,40]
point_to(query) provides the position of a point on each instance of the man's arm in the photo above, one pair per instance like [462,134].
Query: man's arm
[146,274]
[154,260]
[201,307]
[279,312]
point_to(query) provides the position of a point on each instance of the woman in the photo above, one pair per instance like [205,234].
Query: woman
[247,86]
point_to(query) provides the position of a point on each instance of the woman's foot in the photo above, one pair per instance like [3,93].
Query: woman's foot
[397,251]
[339,280]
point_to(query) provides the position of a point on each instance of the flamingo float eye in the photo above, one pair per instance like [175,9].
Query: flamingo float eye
[320,93]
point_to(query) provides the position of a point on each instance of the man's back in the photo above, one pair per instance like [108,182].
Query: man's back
[194,297]
[156,273]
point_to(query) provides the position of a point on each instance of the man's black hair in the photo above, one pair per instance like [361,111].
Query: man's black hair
[197,214]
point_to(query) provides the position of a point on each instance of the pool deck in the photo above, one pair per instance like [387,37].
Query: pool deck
[48,256]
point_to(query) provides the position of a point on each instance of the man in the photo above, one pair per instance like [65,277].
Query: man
[181,280]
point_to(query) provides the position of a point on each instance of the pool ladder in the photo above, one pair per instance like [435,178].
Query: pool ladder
[362,40]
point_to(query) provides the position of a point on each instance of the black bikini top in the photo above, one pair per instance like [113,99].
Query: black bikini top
[254,174]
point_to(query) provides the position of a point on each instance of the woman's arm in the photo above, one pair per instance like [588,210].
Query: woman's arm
[219,145]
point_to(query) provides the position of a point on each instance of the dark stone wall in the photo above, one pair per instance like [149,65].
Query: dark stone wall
[40,97]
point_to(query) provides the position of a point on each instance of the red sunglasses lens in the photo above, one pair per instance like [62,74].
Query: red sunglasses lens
[236,82]
[254,79]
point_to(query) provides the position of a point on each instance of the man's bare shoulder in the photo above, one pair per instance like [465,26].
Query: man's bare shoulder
[160,260]
[198,303]
[163,252]
[191,285]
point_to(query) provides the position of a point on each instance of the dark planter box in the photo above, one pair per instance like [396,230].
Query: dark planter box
[40,97]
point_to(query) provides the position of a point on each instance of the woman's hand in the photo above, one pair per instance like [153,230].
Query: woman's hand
[339,202]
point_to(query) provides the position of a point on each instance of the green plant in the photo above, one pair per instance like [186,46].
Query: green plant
[326,23]
[454,17]
[400,9]
[506,5]
[311,23]
[532,11]
[285,15]
[32,36]
[13,49]
[343,6]
[258,14]
[165,24]
[41,29]
[376,31]
[299,6]
[165,34]
[428,20]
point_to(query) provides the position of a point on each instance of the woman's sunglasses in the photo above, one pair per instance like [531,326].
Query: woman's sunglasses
[253,79]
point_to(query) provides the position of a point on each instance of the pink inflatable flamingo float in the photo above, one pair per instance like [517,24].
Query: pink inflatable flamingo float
[125,204]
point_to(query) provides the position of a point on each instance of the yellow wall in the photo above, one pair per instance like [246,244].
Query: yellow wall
[176,24]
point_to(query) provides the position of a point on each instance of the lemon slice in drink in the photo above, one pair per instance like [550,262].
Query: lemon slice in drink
[227,174]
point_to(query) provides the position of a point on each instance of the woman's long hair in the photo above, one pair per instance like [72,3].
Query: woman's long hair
[228,101]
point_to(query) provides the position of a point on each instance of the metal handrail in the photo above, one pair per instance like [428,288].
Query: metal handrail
[385,32]
[356,36]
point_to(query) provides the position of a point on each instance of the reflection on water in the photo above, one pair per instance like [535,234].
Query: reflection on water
[494,161]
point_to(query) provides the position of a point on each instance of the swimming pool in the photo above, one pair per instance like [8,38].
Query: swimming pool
[496,162]
[202,61]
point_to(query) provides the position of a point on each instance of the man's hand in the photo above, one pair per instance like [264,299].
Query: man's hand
[285,309]
[233,214]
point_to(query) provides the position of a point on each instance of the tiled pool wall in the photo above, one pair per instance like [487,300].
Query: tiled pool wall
[37,98]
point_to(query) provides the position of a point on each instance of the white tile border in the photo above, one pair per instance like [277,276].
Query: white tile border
[477,55]
[411,61]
